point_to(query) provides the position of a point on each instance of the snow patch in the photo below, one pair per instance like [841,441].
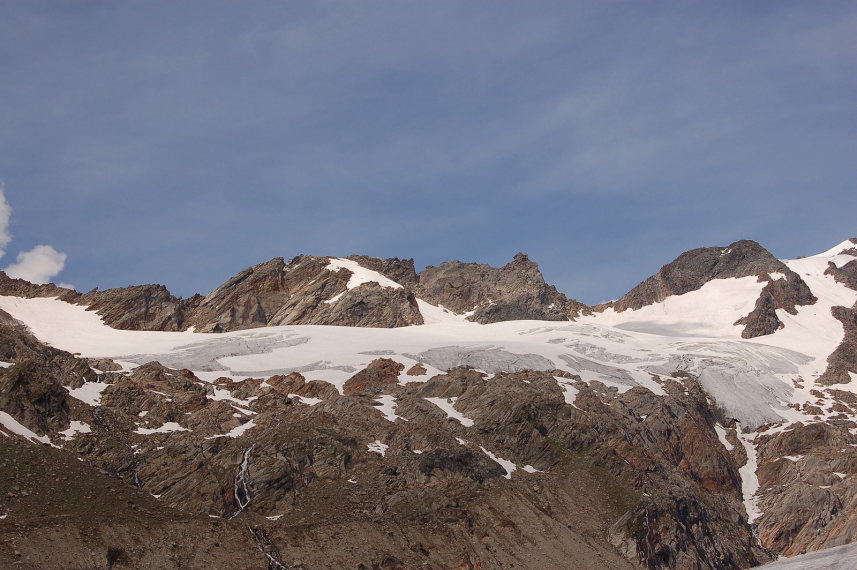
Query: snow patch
[378,447]
[448,406]
[569,391]
[75,428]
[237,431]
[89,393]
[749,479]
[168,427]
[14,426]
[504,463]
[360,274]
[306,400]
[387,407]
[721,435]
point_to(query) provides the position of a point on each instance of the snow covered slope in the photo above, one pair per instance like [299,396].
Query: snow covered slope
[754,381]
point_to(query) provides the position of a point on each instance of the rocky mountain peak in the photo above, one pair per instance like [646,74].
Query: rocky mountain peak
[691,270]
[522,261]
[490,294]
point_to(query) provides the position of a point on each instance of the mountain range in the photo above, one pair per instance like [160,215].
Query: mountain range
[328,412]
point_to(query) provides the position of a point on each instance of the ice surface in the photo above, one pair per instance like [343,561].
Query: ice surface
[837,558]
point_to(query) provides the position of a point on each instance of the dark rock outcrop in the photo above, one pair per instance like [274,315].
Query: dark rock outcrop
[842,362]
[846,274]
[515,291]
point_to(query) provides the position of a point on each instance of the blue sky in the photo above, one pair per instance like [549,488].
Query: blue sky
[179,142]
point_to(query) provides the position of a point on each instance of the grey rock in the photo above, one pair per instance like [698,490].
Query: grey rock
[512,292]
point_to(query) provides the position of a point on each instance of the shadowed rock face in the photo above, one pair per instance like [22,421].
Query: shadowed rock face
[693,269]
[515,291]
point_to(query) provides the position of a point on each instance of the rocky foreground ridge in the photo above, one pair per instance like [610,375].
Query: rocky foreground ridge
[405,462]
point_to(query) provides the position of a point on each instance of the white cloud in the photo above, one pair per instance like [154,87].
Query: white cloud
[5,214]
[39,265]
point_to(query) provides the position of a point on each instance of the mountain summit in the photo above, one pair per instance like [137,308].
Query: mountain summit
[353,413]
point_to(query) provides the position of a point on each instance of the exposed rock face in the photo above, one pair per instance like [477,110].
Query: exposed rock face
[399,270]
[693,269]
[843,360]
[141,307]
[22,288]
[376,378]
[808,496]
[846,274]
[515,291]
[304,292]
[30,393]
